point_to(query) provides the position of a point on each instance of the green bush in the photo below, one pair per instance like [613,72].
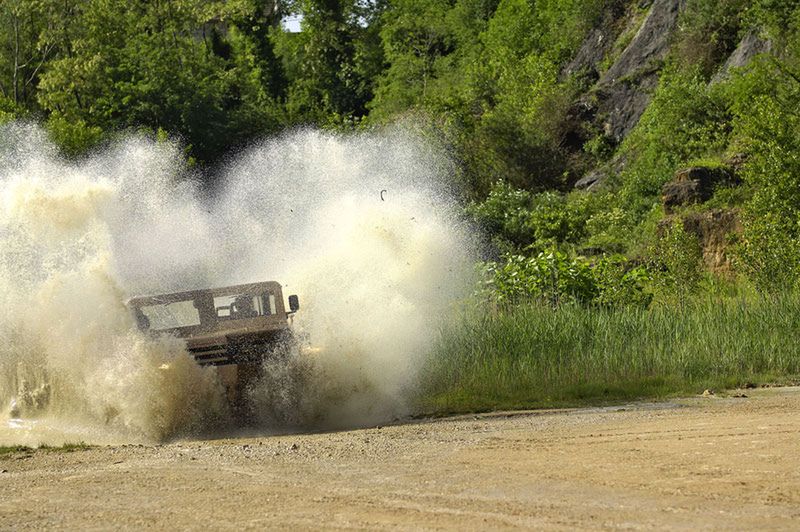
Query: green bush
[677,262]
[609,230]
[556,278]
[621,283]
[767,124]
[520,219]
[73,137]
[709,31]
[8,111]
[549,276]
[506,214]
[769,253]
[686,120]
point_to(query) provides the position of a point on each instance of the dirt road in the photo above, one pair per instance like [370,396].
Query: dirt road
[713,462]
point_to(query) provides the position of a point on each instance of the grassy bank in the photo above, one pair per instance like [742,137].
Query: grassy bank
[533,356]
[10,450]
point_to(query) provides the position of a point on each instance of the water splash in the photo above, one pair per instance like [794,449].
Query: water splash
[362,227]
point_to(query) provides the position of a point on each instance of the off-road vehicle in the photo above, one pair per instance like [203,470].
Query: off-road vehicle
[235,328]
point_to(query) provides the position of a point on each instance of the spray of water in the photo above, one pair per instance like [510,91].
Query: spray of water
[362,227]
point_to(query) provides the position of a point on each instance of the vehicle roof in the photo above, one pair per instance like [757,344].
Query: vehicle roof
[158,299]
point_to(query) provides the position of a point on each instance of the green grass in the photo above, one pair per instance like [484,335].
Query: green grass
[532,356]
[20,449]
[14,449]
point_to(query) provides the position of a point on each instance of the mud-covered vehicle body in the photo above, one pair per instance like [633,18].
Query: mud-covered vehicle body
[233,325]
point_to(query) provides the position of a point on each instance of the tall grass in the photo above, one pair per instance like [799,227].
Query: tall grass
[534,356]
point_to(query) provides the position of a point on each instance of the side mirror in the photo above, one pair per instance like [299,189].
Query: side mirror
[294,304]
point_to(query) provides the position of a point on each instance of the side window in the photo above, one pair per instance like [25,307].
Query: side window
[268,302]
[244,306]
[223,306]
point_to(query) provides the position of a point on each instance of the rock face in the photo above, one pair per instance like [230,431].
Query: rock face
[650,44]
[621,95]
[624,90]
[591,53]
[694,185]
[591,180]
[713,230]
[595,179]
[596,46]
[750,46]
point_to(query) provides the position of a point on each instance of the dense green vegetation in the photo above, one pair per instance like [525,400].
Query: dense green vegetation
[489,79]
[529,355]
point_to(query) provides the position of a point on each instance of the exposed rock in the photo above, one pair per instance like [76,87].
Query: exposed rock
[678,193]
[591,180]
[591,53]
[595,179]
[713,229]
[597,45]
[621,104]
[694,185]
[624,90]
[650,44]
[576,126]
[749,47]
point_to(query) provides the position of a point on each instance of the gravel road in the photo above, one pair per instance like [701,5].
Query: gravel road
[706,462]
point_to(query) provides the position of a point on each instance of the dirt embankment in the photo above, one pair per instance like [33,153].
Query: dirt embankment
[709,462]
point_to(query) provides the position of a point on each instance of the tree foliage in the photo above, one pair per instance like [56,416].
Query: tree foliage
[487,77]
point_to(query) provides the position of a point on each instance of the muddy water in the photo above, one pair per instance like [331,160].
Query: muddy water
[363,228]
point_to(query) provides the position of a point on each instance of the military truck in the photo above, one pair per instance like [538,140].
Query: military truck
[235,328]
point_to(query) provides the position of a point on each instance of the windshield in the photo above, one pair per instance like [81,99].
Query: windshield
[170,315]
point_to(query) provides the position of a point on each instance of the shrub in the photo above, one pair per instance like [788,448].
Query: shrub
[769,253]
[609,230]
[622,283]
[8,111]
[686,120]
[551,276]
[677,262]
[767,122]
[74,137]
[520,219]
[555,278]
[709,32]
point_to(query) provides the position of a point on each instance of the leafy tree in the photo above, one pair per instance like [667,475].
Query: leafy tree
[413,41]
[520,219]
[768,121]
[709,31]
[686,120]
[32,35]
[333,61]
[160,65]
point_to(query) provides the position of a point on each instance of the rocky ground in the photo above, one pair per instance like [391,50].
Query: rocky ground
[706,462]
